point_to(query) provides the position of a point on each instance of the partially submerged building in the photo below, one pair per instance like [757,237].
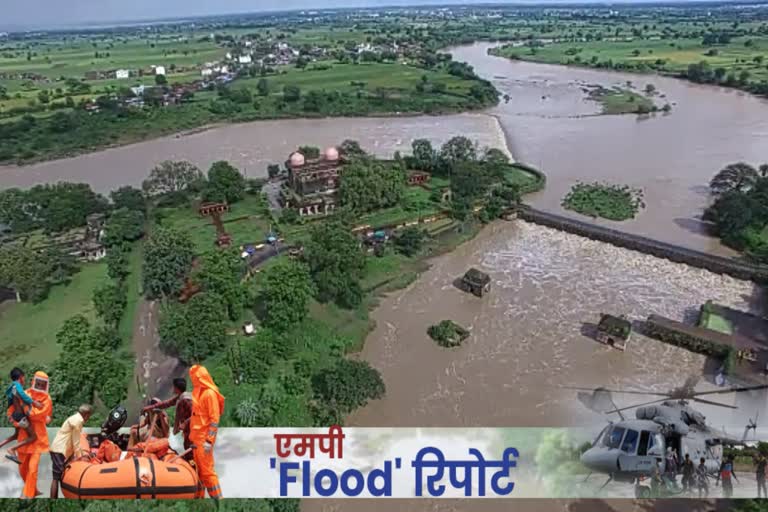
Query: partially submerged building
[476,282]
[312,185]
[614,331]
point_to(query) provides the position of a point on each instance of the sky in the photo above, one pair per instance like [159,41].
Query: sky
[23,14]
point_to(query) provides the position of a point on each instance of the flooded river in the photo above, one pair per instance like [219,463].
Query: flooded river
[252,147]
[530,335]
[550,124]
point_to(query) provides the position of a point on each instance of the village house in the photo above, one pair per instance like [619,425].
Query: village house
[312,185]
[159,70]
[244,59]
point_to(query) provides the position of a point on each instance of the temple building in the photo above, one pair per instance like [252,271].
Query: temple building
[312,185]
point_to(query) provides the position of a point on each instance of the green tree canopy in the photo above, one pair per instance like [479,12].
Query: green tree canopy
[423,155]
[336,263]
[456,150]
[110,301]
[168,256]
[351,149]
[124,225]
[24,271]
[53,207]
[171,177]
[285,294]
[220,272]
[371,185]
[89,370]
[734,177]
[128,197]
[195,330]
[346,386]
[225,183]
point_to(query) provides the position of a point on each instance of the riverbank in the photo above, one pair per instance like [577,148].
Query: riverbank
[737,64]
[331,90]
[252,146]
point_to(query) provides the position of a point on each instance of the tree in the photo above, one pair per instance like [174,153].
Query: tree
[739,177]
[110,301]
[371,185]
[195,330]
[273,170]
[410,240]
[129,198]
[263,87]
[161,80]
[168,257]
[310,152]
[495,157]
[351,149]
[335,262]
[220,272]
[292,93]
[423,155]
[172,177]
[24,271]
[16,210]
[88,369]
[347,386]
[458,149]
[286,291]
[62,206]
[117,262]
[225,183]
[124,226]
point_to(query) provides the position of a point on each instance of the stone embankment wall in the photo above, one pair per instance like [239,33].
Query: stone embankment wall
[717,264]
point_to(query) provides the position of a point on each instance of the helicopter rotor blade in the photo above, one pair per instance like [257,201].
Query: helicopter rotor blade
[634,406]
[702,401]
[729,390]
[630,392]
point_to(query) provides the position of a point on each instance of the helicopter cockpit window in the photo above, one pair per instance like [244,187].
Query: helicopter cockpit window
[614,436]
[630,441]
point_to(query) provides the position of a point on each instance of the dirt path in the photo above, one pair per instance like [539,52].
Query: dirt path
[154,370]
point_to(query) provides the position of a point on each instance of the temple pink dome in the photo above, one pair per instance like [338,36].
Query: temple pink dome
[297,159]
[331,153]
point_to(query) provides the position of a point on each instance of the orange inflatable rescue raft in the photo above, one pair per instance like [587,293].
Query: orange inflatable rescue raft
[154,472]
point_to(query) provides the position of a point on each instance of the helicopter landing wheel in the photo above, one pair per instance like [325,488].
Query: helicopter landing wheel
[642,492]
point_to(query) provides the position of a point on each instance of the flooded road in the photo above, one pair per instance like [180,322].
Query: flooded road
[530,334]
[550,124]
[251,147]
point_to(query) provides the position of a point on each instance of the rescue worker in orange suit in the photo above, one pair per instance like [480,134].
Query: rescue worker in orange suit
[39,418]
[207,407]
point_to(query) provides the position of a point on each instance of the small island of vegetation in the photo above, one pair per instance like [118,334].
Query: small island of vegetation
[618,100]
[612,202]
[448,334]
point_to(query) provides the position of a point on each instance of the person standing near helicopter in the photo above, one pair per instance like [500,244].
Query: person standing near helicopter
[726,475]
[760,464]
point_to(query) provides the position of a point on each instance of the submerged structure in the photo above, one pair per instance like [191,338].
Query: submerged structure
[614,331]
[476,282]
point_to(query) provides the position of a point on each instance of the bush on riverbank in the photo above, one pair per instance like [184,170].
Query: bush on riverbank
[612,202]
[448,334]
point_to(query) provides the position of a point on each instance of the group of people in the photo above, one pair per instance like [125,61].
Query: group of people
[197,416]
[697,476]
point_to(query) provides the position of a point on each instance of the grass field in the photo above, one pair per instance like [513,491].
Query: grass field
[746,53]
[622,101]
[28,331]
[339,77]
[133,285]
[244,222]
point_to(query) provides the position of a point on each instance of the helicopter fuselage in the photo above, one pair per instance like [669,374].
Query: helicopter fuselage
[630,449]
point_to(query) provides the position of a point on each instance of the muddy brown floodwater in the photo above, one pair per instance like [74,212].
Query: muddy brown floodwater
[251,147]
[528,335]
[550,123]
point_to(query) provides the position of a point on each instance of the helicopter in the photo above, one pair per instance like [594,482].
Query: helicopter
[629,450]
